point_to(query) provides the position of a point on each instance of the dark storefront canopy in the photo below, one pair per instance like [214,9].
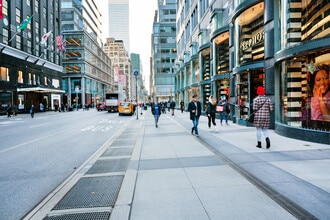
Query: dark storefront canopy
[39,89]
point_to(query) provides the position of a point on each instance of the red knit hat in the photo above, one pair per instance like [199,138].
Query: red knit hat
[260,90]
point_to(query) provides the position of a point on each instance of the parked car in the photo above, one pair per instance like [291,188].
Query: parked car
[101,107]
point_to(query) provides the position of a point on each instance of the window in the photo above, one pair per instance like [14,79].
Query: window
[44,13]
[5,35]
[37,28]
[5,7]
[36,5]
[4,74]
[29,78]
[18,41]
[20,76]
[18,16]
[34,78]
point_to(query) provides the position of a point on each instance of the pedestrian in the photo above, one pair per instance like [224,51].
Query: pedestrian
[156,111]
[172,106]
[41,107]
[262,106]
[224,109]
[9,111]
[195,108]
[32,111]
[210,111]
[182,106]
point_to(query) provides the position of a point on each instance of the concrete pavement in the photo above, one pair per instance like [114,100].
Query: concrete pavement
[221,175]
[172,174]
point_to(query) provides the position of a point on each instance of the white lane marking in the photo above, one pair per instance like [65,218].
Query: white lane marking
[97,128]
[39,125]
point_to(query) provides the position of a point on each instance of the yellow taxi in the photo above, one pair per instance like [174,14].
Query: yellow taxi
[125,108]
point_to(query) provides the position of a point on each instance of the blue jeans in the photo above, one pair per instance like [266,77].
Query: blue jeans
[223,115]
[156,119]
[195,124]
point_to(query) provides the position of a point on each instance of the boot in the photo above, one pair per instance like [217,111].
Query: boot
[267,143]
[259,144]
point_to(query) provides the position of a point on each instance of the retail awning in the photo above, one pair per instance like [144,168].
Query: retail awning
[39,89]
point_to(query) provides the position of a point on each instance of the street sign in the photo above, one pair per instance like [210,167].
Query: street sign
[136,73]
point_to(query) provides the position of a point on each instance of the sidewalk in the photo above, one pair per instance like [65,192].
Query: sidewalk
[221,175]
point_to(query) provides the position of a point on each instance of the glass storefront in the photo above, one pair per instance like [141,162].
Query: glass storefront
[305,84]
[249,27]
[206,76]
[305,92]
[246,85]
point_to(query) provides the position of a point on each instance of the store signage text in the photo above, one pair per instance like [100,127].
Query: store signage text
[255,39]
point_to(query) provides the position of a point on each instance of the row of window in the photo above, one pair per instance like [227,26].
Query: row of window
[32,78]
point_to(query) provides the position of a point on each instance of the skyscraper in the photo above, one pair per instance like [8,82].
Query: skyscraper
[87,69]
[164,50]
[118,18]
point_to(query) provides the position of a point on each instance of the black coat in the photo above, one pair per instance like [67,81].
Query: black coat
[153,108]
[192,109]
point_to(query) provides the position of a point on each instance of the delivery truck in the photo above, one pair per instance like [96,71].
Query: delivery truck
[112,101]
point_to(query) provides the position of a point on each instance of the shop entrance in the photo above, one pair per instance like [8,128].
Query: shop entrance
[247,84]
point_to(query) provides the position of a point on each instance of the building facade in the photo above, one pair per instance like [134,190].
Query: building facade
[118,21]
[30,64]
[121,64]
[164,51]
[232,47]
[88,72]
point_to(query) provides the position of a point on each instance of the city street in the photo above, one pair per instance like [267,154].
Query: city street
[106,166]
[38,154]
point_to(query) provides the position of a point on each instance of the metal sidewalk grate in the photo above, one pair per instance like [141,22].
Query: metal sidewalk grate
[123,142]
[108,166]
[81,216]
[92,192]
[125,151]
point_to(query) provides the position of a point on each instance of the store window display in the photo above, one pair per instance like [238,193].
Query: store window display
[320,101]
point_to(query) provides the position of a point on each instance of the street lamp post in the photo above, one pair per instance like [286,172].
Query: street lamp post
[136,73]
[77,90]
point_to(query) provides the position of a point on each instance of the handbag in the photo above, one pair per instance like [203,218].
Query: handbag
[219,108]
[251,118]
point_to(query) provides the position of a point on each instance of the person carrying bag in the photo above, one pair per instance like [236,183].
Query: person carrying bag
[262,106]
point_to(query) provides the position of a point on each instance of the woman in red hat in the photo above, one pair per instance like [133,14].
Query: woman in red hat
[262,106]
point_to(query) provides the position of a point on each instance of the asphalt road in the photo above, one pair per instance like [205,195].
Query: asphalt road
[38,154]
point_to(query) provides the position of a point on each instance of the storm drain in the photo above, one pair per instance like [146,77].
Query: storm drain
[92,192]
[118,152]
[110,165]
[81,216]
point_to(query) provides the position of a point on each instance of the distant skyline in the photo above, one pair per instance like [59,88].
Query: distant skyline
[141,17]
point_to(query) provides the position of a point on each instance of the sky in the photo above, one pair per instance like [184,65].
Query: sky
[141,14]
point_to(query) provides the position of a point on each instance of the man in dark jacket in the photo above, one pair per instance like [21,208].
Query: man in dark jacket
[9,111]
[156,111]
[172,106]
[195,109]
